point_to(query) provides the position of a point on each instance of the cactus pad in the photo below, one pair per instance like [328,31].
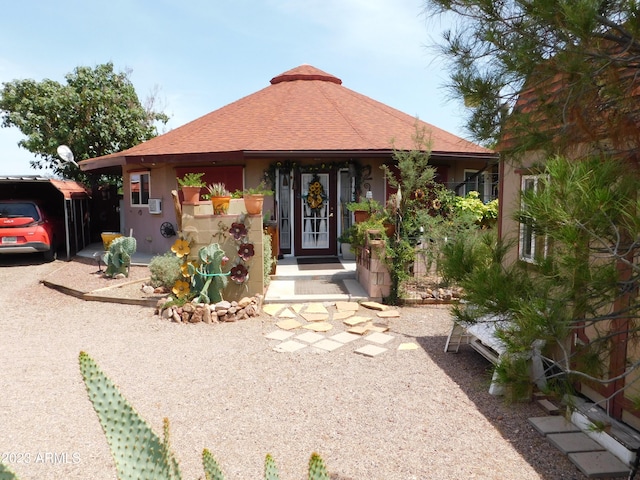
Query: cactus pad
[270,469]
[317,469]
[212,470]
[6,473]
[138,452]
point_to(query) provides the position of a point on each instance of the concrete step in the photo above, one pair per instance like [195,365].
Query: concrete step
[303,289]
[599,464]
[590,456]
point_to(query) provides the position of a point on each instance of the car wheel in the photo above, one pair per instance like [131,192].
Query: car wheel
[51,254]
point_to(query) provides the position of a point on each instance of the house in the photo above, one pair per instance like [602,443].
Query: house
[579,124]
[302,128]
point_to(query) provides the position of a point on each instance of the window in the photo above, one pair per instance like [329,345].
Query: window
[532,244]
[139,186]
[484,182]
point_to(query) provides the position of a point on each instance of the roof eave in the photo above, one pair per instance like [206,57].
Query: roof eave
[101,163]
[363,153]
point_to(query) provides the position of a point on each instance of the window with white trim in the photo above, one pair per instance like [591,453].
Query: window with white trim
[140,188]
[483,182]
[532,245]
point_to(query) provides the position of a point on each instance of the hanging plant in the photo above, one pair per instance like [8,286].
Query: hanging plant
[315,195]
[246,251]
[239,273]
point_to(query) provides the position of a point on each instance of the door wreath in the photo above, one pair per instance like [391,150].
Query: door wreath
[315,195]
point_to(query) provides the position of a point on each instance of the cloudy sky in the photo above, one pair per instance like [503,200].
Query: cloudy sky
[201,55]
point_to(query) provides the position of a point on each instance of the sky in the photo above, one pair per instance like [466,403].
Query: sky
[200,55]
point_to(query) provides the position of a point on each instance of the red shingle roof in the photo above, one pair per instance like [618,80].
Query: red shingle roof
[304,109]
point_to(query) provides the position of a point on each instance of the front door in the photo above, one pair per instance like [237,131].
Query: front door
[314,210]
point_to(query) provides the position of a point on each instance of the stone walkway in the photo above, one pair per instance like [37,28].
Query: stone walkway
[589,456]
[328,326]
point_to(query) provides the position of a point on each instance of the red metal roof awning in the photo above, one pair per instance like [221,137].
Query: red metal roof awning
[70,189]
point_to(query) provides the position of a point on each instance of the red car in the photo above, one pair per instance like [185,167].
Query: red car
[25,228]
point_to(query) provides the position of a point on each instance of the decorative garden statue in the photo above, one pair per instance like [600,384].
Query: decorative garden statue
[118,258]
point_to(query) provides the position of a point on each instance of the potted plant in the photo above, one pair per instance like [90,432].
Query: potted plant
[346,239]
[390,214]
[220,198]
[254,198]
[363,209]
[190,185]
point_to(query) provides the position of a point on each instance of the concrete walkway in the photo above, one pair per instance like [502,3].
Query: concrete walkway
[316,282]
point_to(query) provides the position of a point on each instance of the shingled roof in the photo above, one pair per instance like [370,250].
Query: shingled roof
[303,109]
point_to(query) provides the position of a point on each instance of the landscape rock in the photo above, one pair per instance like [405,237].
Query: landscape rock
[223,311]
[244,302]
[223,305]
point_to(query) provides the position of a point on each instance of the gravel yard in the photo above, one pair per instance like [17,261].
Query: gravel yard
[403,415]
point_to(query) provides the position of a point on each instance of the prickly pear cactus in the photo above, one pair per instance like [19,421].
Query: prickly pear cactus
[136,449]
[270,469]
[212,470]
[118,258]
[317,469]
[208,279]
[6,473]
[138,452]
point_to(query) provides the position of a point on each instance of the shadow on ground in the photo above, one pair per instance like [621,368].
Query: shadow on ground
[472,373]
[21,260]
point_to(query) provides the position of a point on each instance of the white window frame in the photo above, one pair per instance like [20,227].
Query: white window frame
[527,236]
[483,184]
[143,202]
[471,188]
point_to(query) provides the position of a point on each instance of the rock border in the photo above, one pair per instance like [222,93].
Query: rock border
[223,311]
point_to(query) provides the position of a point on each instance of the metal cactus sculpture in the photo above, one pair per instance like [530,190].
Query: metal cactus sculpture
[118,258]
[138,452]
[207,278]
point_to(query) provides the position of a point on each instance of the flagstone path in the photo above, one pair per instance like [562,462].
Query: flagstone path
[326,327]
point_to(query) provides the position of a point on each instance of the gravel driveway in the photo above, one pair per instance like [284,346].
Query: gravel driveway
[403,415]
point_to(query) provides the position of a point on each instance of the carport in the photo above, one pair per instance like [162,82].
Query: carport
[66,199]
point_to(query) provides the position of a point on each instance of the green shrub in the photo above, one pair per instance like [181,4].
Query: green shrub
[268,258]
[165,270]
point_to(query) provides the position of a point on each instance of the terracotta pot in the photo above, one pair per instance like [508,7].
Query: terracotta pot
[361,216]
[253,203]
[220,205]
[389,229]
[191,194]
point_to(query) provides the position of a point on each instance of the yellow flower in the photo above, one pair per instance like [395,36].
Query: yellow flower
[180,248]
[180,288]
[186,266]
